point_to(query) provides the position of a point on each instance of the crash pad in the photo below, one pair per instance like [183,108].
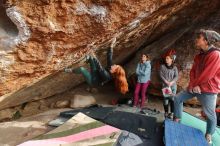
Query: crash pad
[177,134]
[96,112]
[190,120]
[80,130]
[144,126]
[101,113]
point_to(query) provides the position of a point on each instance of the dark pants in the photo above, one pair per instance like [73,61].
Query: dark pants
[98,74]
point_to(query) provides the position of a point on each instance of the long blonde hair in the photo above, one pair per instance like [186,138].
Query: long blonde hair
[120,80]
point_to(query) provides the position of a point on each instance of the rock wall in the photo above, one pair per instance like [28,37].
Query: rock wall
[55,34]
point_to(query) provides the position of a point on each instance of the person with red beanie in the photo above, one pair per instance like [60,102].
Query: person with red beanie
[169,76]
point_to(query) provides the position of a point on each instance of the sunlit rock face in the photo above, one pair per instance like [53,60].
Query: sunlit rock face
[40,38]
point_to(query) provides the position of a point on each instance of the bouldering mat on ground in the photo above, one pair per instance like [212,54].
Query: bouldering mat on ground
[96,112]
[144,126]
[195,122]
[177,134]
[141,125]
[80,130]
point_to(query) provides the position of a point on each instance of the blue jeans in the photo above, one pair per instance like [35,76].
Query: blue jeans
[208,102]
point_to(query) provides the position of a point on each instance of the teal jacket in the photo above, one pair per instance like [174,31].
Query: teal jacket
[143,72]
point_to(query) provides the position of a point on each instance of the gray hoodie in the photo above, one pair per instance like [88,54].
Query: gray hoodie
[168,74]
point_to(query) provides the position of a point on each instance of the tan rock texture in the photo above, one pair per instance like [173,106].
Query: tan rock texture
[51,35]
[62,104]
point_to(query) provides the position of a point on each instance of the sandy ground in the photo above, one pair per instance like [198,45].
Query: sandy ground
[16,132]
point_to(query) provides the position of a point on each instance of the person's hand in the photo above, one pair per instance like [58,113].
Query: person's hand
[197,90]
[171,83]
[114,68]
[166,82]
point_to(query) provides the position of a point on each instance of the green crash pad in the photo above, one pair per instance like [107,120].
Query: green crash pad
[195,122]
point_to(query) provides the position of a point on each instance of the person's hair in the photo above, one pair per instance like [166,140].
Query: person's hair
[147,56]
[200,33]
[170,58]
[173,62]
[120,80]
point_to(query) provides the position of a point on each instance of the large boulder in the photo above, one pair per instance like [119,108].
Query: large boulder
[52,35]
[7,114]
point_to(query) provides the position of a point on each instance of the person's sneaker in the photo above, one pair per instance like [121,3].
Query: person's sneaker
[166,115]
[68,70]
[143,112]
[208,137]
[170,116]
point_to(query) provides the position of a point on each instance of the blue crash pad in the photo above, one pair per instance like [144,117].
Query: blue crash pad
[177,134]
